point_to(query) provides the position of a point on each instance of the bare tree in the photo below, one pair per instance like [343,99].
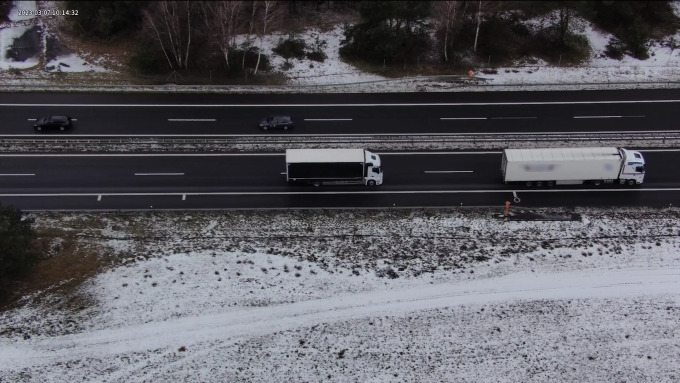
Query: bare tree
[170,25]
[566,13]
[448,15]
[479,22]
[271,11]
[221,17]
[251,25]
[485,7]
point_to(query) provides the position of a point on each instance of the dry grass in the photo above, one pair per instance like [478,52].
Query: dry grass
[65,271]
[67,264]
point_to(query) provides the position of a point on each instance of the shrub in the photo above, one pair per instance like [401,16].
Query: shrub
[291,47]
[286,65]
[319,56]
[637,40]
[573,50]
[147,59]
[317,52]
[236,59]
[615,49]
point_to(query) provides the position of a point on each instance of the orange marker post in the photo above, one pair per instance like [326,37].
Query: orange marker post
[507,208]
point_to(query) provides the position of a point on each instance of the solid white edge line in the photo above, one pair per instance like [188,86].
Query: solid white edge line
[448,171]
[334,135]
[598,116]
[16,174]
[512,118]
[215,154]
[463,118]
[641,116]
[436,153]
[327,119]
[257,154]
[340,192]
[159,174]
[659,150]
[192,119]
[348,105]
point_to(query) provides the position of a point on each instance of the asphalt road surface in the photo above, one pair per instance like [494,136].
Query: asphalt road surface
[319,114]
[228,181]
[249,181]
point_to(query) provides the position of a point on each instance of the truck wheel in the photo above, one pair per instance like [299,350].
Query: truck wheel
[539,184]
[316,183]
[528,184]
[597,182]
[550,184]
[630,182]
[371,182]
[264,127]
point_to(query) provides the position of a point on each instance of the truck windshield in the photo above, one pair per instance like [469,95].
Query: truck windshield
[377,170]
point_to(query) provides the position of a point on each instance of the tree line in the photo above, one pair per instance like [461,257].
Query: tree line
[392,33]
[181,35]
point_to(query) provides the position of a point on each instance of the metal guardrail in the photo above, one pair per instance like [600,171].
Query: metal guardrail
[454,79]
[259,143]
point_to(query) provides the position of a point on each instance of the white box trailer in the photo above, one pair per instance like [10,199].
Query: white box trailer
[572,166]
[333,167]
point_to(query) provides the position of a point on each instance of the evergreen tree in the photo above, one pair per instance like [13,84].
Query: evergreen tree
[17,254]
[391,32]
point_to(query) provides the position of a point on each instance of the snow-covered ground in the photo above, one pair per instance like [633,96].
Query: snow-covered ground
[333,75]
[372,296]
[21,22]
[377,296]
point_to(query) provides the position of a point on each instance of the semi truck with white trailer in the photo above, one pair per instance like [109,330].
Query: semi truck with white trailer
[572,166]
[333,167]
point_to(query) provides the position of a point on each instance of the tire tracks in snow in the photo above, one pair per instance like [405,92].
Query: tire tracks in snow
[250,322]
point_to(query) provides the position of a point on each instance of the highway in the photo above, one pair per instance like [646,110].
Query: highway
[117,181]
[490,112]
[250,181]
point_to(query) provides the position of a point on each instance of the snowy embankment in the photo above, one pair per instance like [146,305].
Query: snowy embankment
[333,75]
[362,296]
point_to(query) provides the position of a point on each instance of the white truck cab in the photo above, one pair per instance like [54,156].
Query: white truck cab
[373,168]
[633,167]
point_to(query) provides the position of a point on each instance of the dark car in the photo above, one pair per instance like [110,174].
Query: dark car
[277,122]
[53,122]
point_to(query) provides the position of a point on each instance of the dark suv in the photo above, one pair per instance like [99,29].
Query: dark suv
[277,122]
[53,122]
